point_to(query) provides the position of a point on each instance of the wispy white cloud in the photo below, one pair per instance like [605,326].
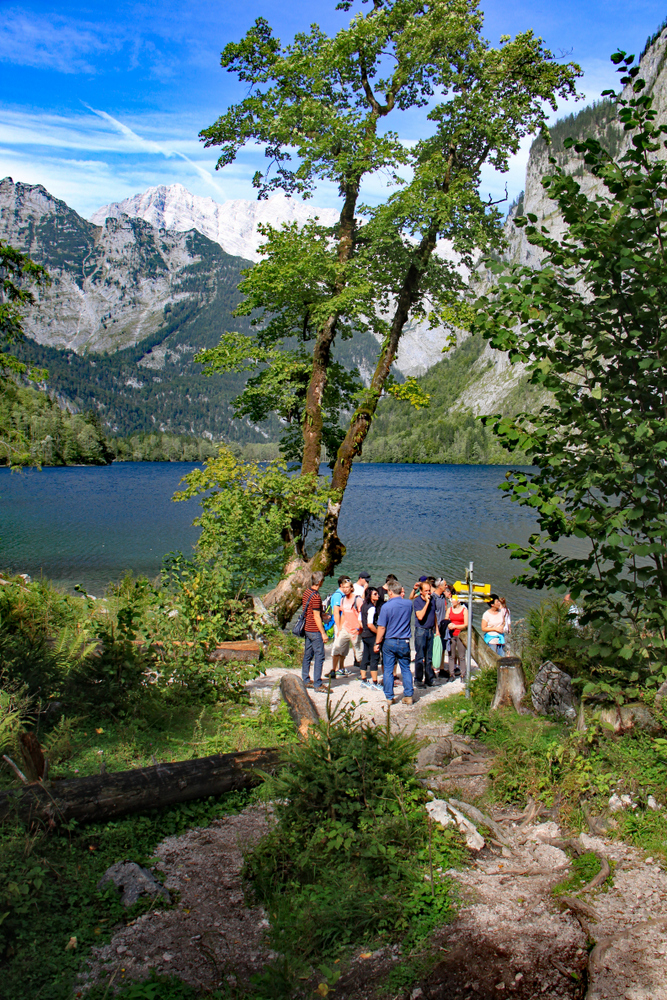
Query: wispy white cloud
[57,42]
[149,146]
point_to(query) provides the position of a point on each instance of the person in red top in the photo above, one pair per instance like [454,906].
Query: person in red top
[315,634]
[458,620]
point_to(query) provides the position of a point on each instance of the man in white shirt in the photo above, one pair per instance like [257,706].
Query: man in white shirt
[361,584]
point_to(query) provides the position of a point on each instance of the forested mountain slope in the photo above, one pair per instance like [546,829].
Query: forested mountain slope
[128,308]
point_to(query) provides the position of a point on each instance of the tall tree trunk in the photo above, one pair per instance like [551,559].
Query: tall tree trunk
[312,417]
[333,550]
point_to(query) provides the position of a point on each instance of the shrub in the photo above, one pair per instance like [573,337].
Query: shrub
[347,857]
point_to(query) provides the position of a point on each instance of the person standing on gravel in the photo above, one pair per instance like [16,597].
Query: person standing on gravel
[348,631]
[316,637]
[424,606]
[394,629]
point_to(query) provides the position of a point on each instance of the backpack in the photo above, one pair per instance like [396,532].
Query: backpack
[299,628]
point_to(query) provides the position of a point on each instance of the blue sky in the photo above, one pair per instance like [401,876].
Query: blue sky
[101,100]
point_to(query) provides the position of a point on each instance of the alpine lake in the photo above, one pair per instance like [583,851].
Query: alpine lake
[88,525]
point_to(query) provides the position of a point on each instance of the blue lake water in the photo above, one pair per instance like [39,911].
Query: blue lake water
[88,525]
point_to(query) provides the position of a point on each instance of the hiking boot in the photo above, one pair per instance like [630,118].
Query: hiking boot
[407,701]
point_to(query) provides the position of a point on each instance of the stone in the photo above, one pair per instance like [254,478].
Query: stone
[551,693]
[624,718]
[133,881]
[661,694]
[615,803]
[653,804]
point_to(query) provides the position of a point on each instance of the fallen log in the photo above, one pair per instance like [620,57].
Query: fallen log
[104,796]
[301,708]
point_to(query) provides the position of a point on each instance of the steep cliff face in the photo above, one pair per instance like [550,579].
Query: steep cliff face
[112,285]
[599,121]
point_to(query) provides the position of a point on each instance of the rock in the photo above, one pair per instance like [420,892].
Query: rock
[615,803]
[440,811]
[133,881]
[625,718]
[661,694]
[551,692]
[652,804]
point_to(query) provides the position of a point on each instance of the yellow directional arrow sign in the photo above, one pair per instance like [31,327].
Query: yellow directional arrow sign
[481,589]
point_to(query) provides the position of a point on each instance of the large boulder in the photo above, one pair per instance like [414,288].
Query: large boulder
[551,693]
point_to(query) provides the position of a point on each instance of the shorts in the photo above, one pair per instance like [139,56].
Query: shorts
[343,642]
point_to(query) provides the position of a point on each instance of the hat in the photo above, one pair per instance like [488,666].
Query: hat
[364,576]
[423,579]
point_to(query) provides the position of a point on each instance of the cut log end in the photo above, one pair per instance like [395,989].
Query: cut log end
[301,707]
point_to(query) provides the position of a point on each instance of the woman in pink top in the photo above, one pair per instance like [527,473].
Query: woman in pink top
[348,620]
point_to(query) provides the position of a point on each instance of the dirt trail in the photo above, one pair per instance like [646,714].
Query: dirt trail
[512,938]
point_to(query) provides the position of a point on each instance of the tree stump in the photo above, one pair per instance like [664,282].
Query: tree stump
[301,708]
[511,686]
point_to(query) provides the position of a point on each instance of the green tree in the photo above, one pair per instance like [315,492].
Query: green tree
[17,272]
[591,326]
[322,107]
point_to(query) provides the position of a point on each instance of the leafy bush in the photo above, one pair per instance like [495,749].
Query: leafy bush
[347,858]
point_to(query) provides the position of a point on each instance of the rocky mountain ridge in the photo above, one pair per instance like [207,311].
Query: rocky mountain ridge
[232,224]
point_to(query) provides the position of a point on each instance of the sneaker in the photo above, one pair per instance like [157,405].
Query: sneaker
[407,701]
[344,672]
[332,675]
[442,673]
[377,686]
[366,684]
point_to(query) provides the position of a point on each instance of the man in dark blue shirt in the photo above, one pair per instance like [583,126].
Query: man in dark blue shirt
[394,629]
[424,606]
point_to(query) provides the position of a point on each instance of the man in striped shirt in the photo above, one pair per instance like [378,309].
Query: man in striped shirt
[315,634]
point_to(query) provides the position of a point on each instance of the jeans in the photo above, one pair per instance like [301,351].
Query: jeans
[370,657]
[424,654]
[394,650]
[314,650]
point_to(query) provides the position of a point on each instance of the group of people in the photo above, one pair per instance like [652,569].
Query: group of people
[376,623]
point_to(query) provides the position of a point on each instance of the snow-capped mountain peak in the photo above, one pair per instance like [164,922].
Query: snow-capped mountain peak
[232,224]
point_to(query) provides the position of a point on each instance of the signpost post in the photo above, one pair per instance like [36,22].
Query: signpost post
[478,592]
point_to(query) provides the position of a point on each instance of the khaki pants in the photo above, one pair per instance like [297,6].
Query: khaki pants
[344,640]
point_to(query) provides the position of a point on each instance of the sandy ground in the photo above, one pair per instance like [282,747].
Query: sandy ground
[512,936]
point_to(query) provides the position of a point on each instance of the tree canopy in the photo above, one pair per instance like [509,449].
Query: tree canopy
[328,109]
[591,326]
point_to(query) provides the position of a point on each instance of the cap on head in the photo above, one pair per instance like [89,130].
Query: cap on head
[364,576]
[423,579]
